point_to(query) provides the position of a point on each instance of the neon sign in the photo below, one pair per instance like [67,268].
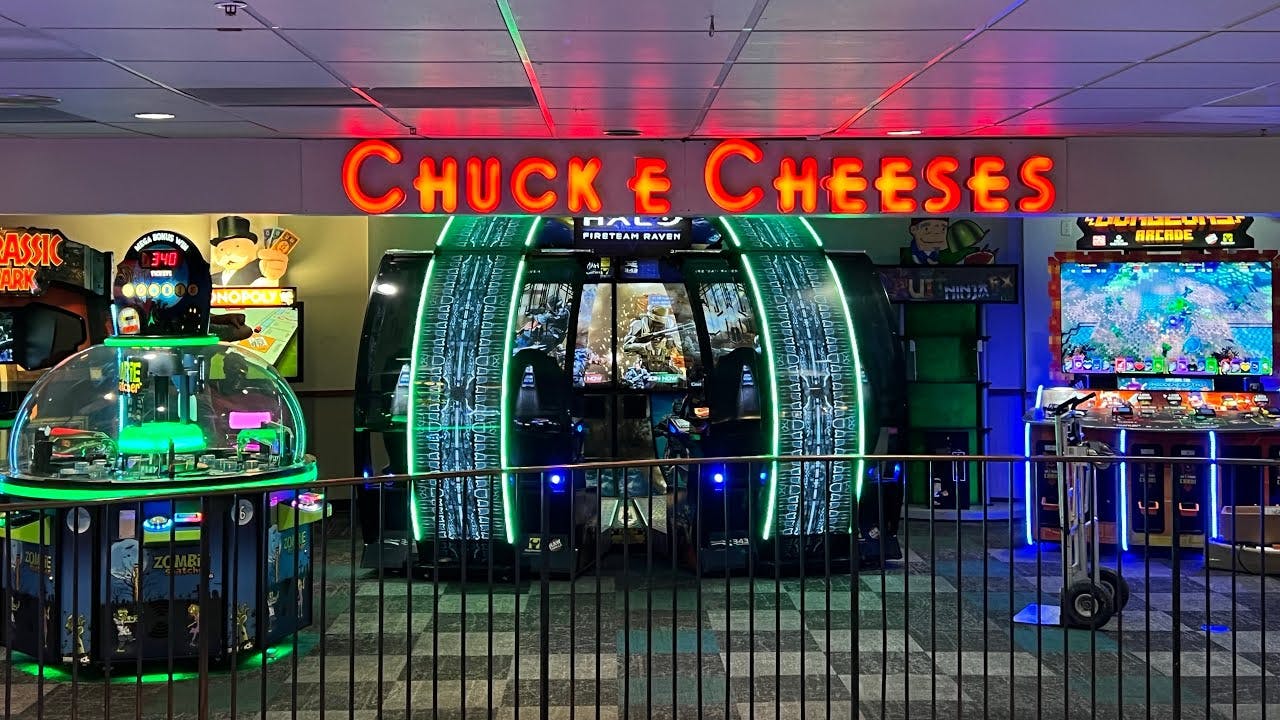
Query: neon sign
[1120,232]
[25,251]
[738,176]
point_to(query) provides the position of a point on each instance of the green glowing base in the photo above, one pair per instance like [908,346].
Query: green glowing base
[244,662]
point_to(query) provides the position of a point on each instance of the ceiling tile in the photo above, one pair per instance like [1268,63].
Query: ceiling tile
[381,15]
[1195,75]
[67,74]
[818,75]
[1012,74]
[463,74]
[406,45]
[175,129]
[1258,117]
[921,119]
[622,74]
[455,122]
[23,44]
[1048,130]
[926,98]
[187,45]
[633,118]
[769,119]
[836,46]
[626,46]
[77,129]
[1066,46]
[1136,98]
[664,15]
[347,122]
[1231,47]
[825,15]
[105,105]
[127,14]
[625,97]
[1262,97]
[236,74]
[1266,21]
[1086,116]
[1129,15]
[597,131]
[763,99]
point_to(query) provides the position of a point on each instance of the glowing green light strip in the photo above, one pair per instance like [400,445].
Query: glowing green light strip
[134,341]
[412,463]
[9,486]
[775,429]
[29,666]
[504,432]
[857,382]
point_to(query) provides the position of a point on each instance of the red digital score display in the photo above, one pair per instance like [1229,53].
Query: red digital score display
[160,259]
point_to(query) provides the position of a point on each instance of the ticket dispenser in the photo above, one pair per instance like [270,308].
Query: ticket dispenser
[1190,491]
[1148,491]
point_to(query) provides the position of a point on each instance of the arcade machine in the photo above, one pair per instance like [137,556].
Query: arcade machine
[161,406]
[382,408]
[53,292]
[1176,350]
[264,320]
[670,338]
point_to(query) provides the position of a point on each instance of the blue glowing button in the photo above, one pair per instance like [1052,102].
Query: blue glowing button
[187,518]
[718,478]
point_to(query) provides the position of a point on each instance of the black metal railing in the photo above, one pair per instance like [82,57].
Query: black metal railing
[924,611]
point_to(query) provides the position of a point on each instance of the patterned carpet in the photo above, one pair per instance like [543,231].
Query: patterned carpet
[931,637]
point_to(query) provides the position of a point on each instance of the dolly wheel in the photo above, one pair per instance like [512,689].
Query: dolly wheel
[1085,605]
[1118,586]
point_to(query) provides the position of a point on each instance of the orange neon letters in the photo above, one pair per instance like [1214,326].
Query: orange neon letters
[711,173]
[937,173]
[1034,174]
[650,186]
[373,205]
[895,180]
[790,183]
[526,200]
[484,184]
[582,185]
[444,183]
[986,181]
[845,183]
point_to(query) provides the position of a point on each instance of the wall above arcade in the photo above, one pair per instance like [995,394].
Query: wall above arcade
[1076,176]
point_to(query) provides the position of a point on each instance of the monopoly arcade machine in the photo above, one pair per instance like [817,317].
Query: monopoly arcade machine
[161,406]
[54,293]
[1176,345]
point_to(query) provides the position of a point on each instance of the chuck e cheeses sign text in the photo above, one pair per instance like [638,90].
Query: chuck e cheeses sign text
[659,178]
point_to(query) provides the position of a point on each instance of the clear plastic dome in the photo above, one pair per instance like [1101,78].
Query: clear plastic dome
[166,413]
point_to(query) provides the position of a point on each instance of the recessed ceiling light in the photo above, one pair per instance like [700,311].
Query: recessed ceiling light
[153,116]
[622,132]
[901,133]
[24,100]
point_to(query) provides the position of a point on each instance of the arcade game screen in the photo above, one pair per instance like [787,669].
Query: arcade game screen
[544,319]
[730,323]
[6,336]
[657,341]
[271,332]
[1167,318]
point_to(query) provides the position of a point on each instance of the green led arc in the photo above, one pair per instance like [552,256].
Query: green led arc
[411,446]
[775,429]
[137,341]
[504,403]
[120,491]
[857,384]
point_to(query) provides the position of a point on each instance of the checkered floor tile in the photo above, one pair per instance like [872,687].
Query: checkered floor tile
[929,637]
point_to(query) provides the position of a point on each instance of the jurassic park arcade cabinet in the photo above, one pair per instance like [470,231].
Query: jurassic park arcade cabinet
[53,301]
[160,406]
[1170,321]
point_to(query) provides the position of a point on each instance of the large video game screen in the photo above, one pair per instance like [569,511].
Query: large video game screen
[1167,318]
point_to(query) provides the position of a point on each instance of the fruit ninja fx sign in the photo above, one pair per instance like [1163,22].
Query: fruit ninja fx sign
[23,251]
[735,178]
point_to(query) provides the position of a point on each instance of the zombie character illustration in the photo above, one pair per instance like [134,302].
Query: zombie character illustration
[301,595]
[272,599]
[193,627]
[15,563]
[274,549]
[242,625]
[76,626]
[124,621]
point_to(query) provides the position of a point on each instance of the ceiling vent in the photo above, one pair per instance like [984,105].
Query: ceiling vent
[392,97]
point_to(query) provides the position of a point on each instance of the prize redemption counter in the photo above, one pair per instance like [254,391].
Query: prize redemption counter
[161,406]
[1177,350]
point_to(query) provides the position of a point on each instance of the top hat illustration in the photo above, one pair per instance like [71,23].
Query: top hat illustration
[233,226]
